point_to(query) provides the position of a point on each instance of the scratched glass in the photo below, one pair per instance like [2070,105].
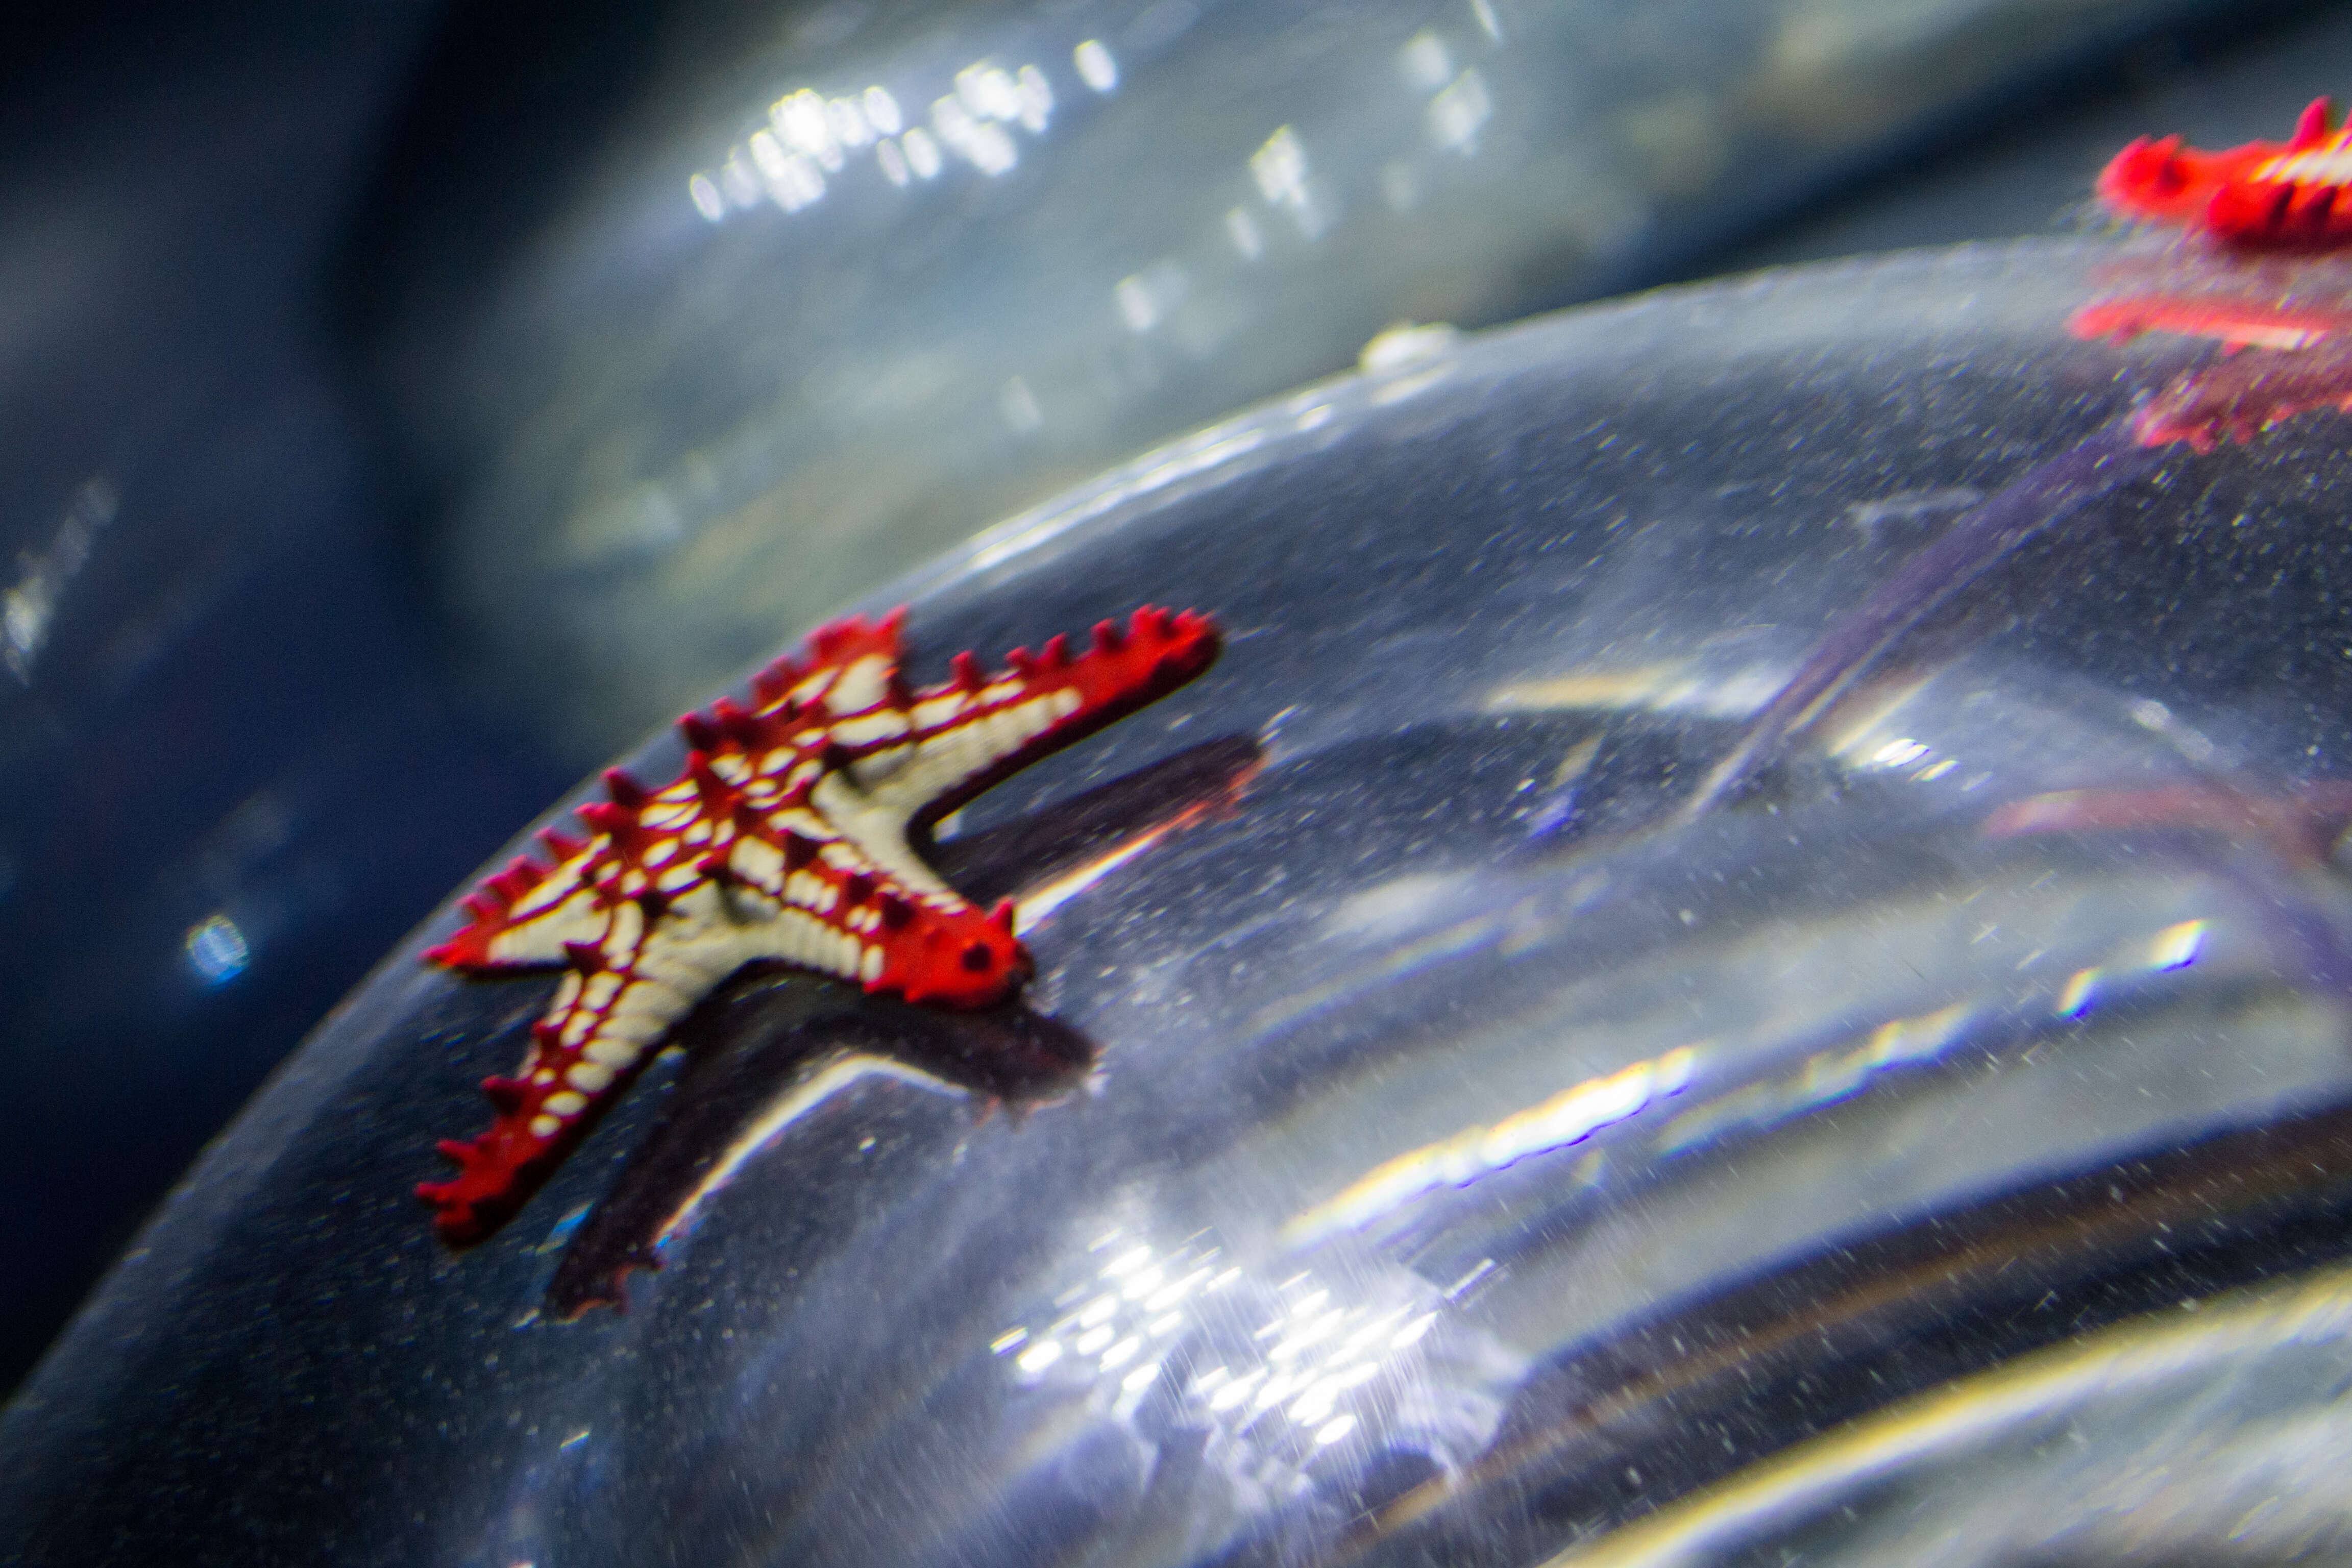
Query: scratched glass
[1499,1083]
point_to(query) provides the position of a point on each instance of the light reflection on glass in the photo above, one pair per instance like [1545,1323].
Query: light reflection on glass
[1569,1117]
[1332,1432]
[217,949]
[1898,754]
[2074,998]
[922,153]
[848,123]
[1317,1367]
[1018,404]
[1827,1076]
[987,91]
[1457,114]
[736,180]
[1823,1078]
[843,1073]
[29,608]
[1893,755]
[1096,66]
[1678,686]
[801,120]
[1406,344]
[1280,169]
[1242,229]
[1424,62]
[809,137]
[2176,946]
[981,143]
[1032,100]
[792,180]
[1146,298]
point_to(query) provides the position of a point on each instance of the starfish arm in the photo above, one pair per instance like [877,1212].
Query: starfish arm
[621,995]
[530,915]
[2166,182]
[973,731]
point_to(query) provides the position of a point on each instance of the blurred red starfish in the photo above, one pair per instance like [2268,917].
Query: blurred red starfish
[2262,195]
[786,840]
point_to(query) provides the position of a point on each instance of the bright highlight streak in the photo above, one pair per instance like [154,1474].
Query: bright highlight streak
[1039,906]
[1824,1077]
[2177,946]
[1567,1117]
[1897,753]
[791,1108]
[2075,999]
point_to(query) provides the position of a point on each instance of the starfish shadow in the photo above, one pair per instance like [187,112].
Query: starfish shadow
[772,1045]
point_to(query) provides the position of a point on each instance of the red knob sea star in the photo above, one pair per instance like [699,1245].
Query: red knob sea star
[2263,195]
[786,840]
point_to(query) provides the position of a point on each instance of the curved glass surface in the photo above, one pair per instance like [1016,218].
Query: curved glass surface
[842,287]
[1747,931]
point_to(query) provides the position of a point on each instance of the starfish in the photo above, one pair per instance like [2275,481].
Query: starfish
[790,838]
[2263,195]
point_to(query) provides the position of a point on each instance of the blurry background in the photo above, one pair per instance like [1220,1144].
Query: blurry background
[404,407]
